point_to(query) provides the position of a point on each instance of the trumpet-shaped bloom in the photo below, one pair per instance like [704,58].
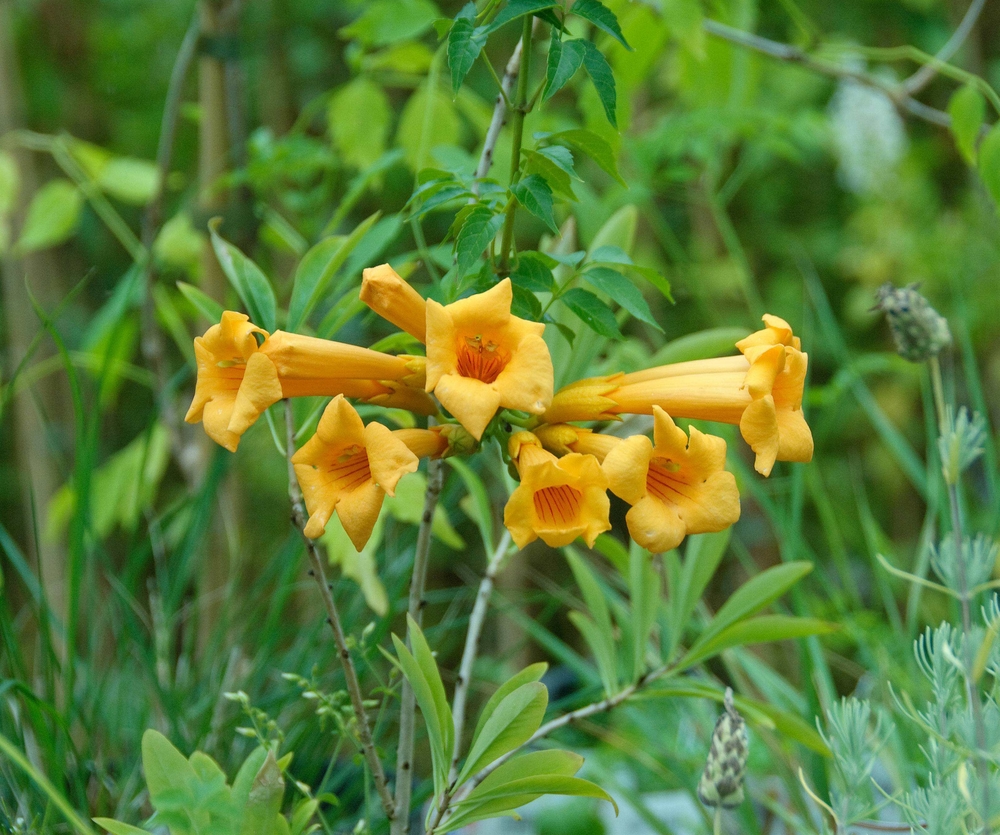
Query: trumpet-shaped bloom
[675,486]
[438,441]
[394,300]
[558,499]
[563,439]
[238,379]
[480,358]
[760,391]
[348,467]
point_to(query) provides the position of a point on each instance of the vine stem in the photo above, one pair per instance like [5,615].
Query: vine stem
[922,77]
[476,621]
[520,110]
[499,117]
[407,715]
[717,823]
[333,618]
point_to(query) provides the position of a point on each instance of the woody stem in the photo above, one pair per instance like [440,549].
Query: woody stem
[333,618]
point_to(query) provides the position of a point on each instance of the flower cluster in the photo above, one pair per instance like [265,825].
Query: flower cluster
[481,360]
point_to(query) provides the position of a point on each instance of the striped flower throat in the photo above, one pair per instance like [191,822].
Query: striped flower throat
[481,358]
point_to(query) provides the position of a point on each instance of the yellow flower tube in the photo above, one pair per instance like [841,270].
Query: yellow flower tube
[558,499]
[676,487]
[394,300]
[347,468]
[563,439]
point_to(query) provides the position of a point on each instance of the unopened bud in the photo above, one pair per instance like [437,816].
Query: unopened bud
[722,781]
[920,332]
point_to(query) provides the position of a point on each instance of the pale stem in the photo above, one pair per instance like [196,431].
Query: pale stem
[407,715]
[922,77]
[499,117]
[717,827]
[333,618]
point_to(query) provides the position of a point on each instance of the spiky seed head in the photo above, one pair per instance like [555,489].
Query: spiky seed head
[722,781]
[919,331]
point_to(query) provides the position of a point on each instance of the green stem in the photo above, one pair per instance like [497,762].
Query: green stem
[520,110]
[717,827]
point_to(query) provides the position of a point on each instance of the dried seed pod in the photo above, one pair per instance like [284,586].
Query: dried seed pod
[919,331]
[722,781]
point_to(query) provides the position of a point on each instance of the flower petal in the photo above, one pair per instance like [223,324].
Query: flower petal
[358,510]
[759,427]
[472,402]
[388,457]
[518,516]
[526,382]
[442,356]
[626,467]
[260,389]
[215,418]
[654,525]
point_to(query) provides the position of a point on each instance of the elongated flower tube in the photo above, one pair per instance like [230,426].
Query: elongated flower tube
[558,499]
[349,467]
[676,487]
[438,441]
[480,358]
[563,439]
[760,391]
[238,379]
[394,300]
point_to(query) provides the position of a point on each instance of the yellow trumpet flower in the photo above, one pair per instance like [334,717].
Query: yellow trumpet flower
[394,300]
[238,379]
[676,487]
[558,499]
[563,439]
[349,467]
[760,391]
[480,358]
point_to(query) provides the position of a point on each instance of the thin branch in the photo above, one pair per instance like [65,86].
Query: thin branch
[333,618]
[499,117]
[407,716]
[793,55]
[922,77]
[476,621]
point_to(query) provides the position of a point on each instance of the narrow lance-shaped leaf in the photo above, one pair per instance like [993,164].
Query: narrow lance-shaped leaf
[758,630]
[532,672]
[594,146]
[602,17]
[565,58]
[465,42]
[250,283]
[479,229]
[519,8]
[535,195]
[594,313]
[622,291]
[604,80]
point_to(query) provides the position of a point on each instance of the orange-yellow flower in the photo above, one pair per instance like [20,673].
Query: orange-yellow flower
[480,358]
[394,300]
[238,379]
[348,467]
[675,486]
[558,499]
[562,439]
[761,391]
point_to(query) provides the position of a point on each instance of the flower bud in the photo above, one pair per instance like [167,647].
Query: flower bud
[920,332]
[722,781]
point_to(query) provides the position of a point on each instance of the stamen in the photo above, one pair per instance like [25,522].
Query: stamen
[481,360]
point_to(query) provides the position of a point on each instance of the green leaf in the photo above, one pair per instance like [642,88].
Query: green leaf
[518,8]
[428,121]
[702,556]
[622,291]
[594,146]
[535,195]
[598,632]
[476,234]
[967,108]
[758,630]
[264,800]
[167,769]
[533,672]
[551,162]
[565,58]
[318,267]
[119,828]
[465,42]
[481,500]
[52,216]
[604,80]
[408,506]
[208,307]
[134,181]
[304,812]
[359,141]
[644,595]
[10,180]
[250,283]
[602,17]
[247,774]
[512,723]
[179,244]
[595,314]
[537,785]
[385,22]
[989,162]
[751,597]
[533,272]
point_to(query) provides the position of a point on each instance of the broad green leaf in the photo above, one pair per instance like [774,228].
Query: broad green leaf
[595,314]
[481,499]
[429,120]
[541,784]
[594,146]
[410,57]
[623,291]
[512,723]
[644,595]
[304,812]
[602,17]
[565,58]
[532,672]
[967,108]
[166,769]
[385,22]
[179,244]
[247,774]
[359,139]
[208,307]
[713,342]
[465,42]
[52,216]
[519,8]
[751,597]
[758,630]
[119,828]
[533,273]
[537,162]
[476,234]
[989,162]
[131,180]
[318,267]
[10,180]
[604,80]
[535,195]
[525,304]
[250,283]
[264,801]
